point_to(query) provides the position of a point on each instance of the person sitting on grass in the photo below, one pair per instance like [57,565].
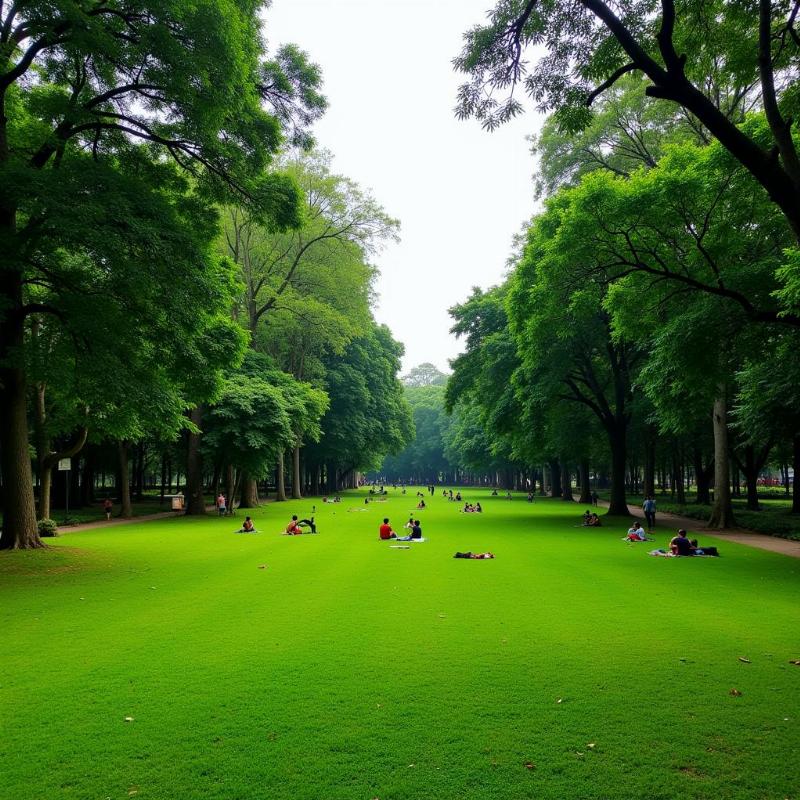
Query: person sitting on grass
[478,508]
[410,523]
[421,504]
[594,522]
[416,533]
[587,515]
[494,492]
[385,531]
[458,497]
[247,526]
[636,533]
[680,544]
[474,555]
[293,528]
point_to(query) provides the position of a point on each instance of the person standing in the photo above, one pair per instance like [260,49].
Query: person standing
[649,508]
[108,507]
[222,504]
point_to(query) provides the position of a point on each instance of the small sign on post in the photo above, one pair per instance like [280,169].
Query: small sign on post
[65,465]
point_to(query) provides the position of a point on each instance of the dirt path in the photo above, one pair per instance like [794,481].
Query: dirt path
[116,522]
[774,544]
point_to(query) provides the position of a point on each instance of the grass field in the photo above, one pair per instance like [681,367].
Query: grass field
[571,666]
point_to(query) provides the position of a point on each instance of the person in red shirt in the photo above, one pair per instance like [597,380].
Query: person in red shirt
[385,531]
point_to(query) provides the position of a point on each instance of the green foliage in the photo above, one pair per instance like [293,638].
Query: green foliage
[47,528]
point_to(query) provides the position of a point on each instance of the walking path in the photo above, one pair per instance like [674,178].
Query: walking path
[103,523]
[774,544]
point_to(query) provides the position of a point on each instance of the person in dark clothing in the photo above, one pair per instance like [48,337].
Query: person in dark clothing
[680,544]
[416,531]
[308,523]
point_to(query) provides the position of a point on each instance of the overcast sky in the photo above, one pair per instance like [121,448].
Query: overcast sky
[459,192]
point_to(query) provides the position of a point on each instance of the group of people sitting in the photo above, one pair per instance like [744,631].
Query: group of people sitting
[469,508]
[448,493]
[682,545]
[336,499]
[385,531]
[591,520]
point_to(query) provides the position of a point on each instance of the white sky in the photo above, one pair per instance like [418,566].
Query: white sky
[459,192]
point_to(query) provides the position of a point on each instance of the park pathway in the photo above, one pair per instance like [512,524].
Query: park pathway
[774,544]
[86,526]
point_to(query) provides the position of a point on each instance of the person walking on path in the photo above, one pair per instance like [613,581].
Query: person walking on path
[649,508]
[108,507]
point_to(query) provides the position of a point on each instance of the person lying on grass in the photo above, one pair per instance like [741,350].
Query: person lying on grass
[247,526]
[474,555]
[385,531]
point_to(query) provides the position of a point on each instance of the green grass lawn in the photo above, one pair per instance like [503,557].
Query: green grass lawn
[571,666]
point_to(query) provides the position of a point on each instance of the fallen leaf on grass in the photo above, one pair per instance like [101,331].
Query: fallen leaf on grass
[735,693]
[795,661]
[133,790]
[530,765]
[745,660]
[128,719]
[262,566]
[560,700]
[591,745]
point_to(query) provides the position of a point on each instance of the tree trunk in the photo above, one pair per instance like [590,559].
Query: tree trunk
[555,478]
[722,510]
[195,501]
[87,476]
[566,483]
[280,485]
[19,510]
[230,488]
[316,479]
[702,477]
[649,465]
[618,504]
[124,488]
[249,492]
[296,493]
[586,483]
[796,469]
[331,478]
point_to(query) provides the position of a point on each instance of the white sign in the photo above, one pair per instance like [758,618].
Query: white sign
[65,465]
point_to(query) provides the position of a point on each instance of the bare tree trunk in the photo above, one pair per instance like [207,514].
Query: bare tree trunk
[796,468]
[19,511]
[618,505]
[555,478]
[230,488]
[249,492]
[124,488]
[586,484]
[280,484]
[566,483]
[296,493]
[722,510]
[649,465]
[195,501]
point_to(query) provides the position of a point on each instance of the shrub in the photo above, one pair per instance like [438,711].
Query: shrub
[47,527]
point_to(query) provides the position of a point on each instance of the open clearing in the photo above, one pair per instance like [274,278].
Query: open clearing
[158,660]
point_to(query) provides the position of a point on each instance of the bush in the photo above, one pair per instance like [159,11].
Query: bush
[47,527]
